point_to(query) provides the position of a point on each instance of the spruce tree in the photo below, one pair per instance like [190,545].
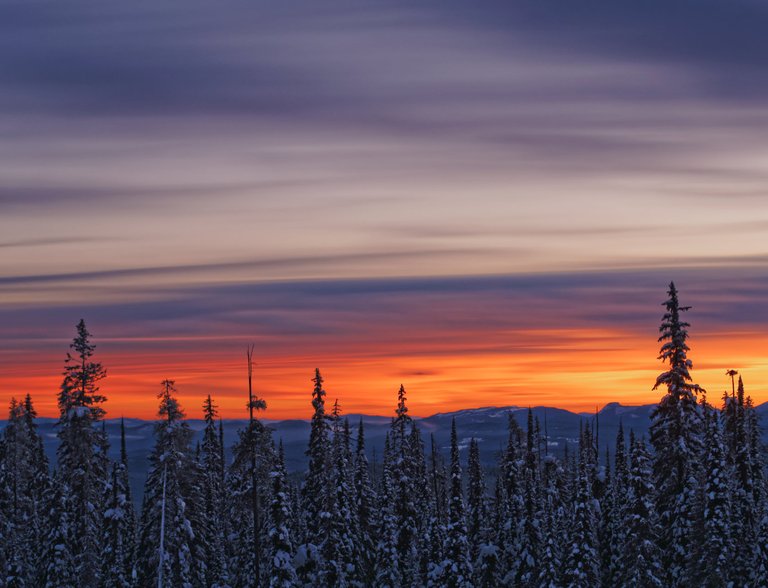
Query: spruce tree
[248,500]
[365,507]
[615,511]
[434,535]
[476,507]
[58,565]
[387,567]
[337,546]
[316,481]
[529,526]
[456,569]
[81,458]
[711,559]
[282,573]
[510,503]
[745,503]
[423,504]
[212,466]
[119,533]
[405,472]
[552,517]
[24,489]
[172,551]
[676,429]
[581,561]
[640,563]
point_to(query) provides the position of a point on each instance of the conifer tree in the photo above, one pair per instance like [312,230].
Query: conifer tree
[745,504]
[676,429]
[316,481]
[119,533]
[282,573]
[212,466]
[82,463]
[387,565]
[456,569]
[529,527]
[59,569]
[364,504]
[172,551]
[476,507]
[552,518]
[640,563]
[337,545]
[249,488]
[758,573]
[405,472]
[615,511]
[24,487]
[581,563]
[711,559]
[434,535]
[510,504]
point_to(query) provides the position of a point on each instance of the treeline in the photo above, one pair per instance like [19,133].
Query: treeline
[683,508]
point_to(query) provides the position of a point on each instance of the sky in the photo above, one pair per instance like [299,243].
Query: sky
[482,201]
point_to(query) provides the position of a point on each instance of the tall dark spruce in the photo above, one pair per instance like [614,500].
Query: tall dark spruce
[172,550]
[24,494]
[212,467]
[82,468]
[119,533]
[676,436]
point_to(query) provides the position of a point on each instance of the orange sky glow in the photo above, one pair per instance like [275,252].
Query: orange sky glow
[575,370]
[423,194]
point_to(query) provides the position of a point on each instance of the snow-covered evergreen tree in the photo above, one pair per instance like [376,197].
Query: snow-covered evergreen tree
[387,566]
[529,526]
[337,546]
[365,506]
[676,430]
[745,503]
[433,538]
[82,473]
[58,566]
[581,569]
[24,488]
[476,502]
[212,466]
[249,489]
[552,517]
[640,563]
[509,504]
[406,508]
[119,533]
[615,511]
[712,555]
[282,573]
[172,549]
[456,569]
[316,480]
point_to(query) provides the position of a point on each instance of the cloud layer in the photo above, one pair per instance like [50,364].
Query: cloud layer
[188,175]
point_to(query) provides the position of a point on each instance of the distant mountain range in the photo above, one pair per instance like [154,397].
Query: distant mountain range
[488,425]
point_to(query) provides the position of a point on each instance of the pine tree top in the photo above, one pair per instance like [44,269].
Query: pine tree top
[79,395]
[170,409]
[674,349]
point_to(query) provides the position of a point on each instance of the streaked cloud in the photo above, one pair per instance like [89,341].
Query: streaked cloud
[384,188]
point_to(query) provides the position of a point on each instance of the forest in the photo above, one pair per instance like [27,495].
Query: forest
[684,507]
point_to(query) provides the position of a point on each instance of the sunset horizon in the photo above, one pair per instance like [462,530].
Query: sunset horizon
[521,244]
[578,366]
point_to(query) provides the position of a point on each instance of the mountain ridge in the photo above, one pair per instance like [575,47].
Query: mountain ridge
[487,424]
